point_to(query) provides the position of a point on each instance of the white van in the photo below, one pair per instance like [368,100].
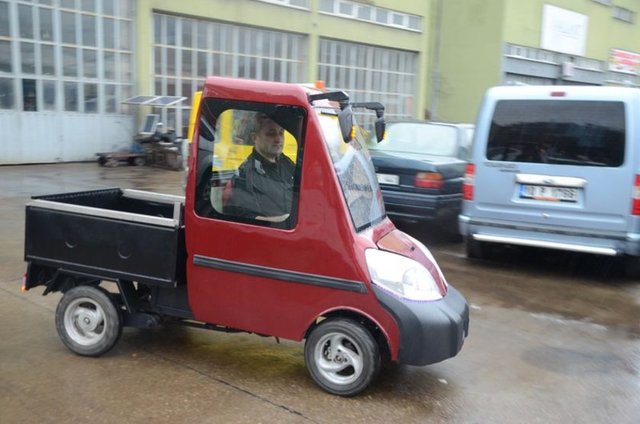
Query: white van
[555,167]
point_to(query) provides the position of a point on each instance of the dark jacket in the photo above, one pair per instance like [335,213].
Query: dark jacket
[261,188]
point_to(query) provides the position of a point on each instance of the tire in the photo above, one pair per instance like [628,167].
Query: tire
[88,321]
[452,231]
[476,249]
[139,161]
[632,266]
[342,357]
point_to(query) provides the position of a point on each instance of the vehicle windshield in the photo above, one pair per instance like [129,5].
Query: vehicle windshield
[357,177]
[418,137]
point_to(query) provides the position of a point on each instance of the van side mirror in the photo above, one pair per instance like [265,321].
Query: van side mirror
[345,118]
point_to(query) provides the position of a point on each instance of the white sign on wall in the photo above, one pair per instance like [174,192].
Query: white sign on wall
[624,61]
[563,31]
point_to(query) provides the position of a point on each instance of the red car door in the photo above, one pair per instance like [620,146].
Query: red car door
[268,277]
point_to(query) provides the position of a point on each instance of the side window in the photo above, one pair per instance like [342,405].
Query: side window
[249,162]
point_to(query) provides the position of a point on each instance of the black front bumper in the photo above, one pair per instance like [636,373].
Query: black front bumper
[430,332]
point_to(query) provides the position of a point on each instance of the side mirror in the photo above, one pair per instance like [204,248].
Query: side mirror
[381,128]
[345,118]
[380,125]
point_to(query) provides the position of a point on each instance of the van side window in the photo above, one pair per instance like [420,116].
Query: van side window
[249,162]
[584,133]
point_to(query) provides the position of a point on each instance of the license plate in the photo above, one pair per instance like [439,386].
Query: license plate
[550,194]
[388,179]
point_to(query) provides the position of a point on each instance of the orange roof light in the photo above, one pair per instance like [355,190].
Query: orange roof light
[320,85]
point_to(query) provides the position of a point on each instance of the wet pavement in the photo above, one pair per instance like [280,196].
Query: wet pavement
[554,338]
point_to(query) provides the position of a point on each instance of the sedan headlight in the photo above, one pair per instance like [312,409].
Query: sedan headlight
[401,276]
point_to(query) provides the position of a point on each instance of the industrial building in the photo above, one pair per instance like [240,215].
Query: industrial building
[66,66]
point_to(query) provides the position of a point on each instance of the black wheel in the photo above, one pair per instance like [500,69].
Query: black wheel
[139,161]
[342,356]
[477,249]
[452,230]
[88,321]
[632,266]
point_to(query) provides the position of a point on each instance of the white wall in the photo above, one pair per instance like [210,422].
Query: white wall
[42,137]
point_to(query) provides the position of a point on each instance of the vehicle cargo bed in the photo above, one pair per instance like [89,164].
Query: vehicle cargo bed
[109,234]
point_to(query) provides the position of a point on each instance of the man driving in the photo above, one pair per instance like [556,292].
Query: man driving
[262,187]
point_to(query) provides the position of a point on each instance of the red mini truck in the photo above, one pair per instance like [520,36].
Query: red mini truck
[332,270]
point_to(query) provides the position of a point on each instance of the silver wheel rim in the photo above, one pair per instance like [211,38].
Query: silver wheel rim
[84,321]
[338,358]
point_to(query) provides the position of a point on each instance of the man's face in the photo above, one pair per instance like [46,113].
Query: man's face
[269,141]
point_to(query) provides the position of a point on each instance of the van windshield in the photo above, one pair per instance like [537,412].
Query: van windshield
[355,172]
[584,133]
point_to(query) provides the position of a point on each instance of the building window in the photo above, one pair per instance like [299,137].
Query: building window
[5,22]
[346,8]
[373,14]
[6,93]
[29,97]
[70,96]
[185,51]
[623,14]
[47,57]
[516,79]
[48,95]
[91,98]
[28,56]
[68,20]
[69,41]
[370,73]
[5,56]
[88,5]
[302,4]
[364,13]
[25,21]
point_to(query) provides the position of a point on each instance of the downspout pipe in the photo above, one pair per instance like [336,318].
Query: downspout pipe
[435,62]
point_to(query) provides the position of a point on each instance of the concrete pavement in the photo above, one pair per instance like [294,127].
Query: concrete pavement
[551,341]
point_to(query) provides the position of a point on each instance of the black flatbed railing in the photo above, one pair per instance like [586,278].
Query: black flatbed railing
[110,234]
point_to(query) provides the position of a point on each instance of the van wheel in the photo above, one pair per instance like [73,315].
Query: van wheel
[477,249]
[452,231]
[632,266]
[342,356]
[88,321]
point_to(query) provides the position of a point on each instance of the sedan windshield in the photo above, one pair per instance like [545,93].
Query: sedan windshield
[417,137]
[355,172]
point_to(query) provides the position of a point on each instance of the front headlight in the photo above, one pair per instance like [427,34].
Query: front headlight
[430,257]
[401,276]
